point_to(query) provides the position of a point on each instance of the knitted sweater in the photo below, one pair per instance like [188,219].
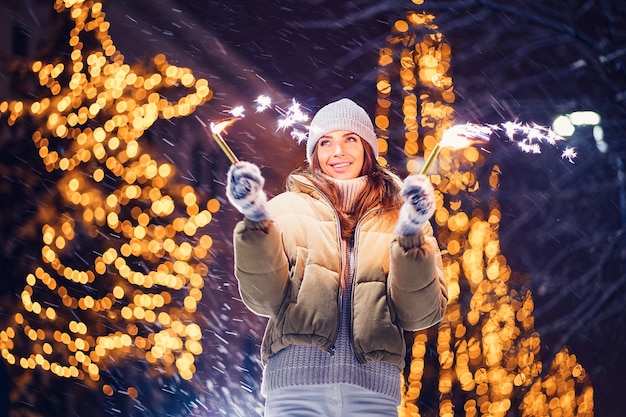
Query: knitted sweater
[308,365]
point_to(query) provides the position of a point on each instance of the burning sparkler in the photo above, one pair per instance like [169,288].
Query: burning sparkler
[462,136]
[216,130]
[290,117]
[458,137]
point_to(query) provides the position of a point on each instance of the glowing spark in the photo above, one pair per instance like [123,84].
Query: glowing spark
[532,136]
[299,135]
[462,136]
[527,137]
[458,137]
[290,117]
[237,111]
[263,102]
[569,153]
[293,115]
[219,127]
[510,128]
[216,130]
[552,137]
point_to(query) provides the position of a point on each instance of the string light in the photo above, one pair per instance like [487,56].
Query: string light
[148,279]
[488,349]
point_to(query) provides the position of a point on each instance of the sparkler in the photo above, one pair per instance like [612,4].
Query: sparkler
[216,130]
[291,116]
[462,136]
[457,137]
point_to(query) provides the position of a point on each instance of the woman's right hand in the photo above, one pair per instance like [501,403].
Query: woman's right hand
[419,204]
[244,189]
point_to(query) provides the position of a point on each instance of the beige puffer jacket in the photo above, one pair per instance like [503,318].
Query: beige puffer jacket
[289,270]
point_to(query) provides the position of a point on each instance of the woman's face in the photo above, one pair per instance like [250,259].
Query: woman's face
[341,154]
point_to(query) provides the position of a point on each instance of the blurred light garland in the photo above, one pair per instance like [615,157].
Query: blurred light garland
[488,351]
[148,280]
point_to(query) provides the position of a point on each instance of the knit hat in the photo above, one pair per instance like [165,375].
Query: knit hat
[343,114]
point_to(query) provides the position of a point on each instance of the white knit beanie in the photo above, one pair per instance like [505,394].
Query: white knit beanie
[343,114]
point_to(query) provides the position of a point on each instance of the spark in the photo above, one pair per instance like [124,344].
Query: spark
[237,112]
[532,135]
[219,127]
[292,116]
[569,153]
[527,137]
[462,136]
[263,102]
[289,118]
[299,135]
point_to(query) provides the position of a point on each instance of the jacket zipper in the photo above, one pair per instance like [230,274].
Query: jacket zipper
[352,256]
[331,350]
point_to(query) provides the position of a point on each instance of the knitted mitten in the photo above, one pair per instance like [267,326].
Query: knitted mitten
[419,204]
[244,189]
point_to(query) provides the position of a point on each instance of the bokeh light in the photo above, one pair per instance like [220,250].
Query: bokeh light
[148,280]
[488,351]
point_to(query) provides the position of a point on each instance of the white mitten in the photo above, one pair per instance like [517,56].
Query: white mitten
[244,189]
[418,206]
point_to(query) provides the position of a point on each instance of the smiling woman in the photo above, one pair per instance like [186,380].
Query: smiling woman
[304,259]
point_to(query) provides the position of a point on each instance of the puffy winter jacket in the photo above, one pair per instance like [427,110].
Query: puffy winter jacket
[289,270]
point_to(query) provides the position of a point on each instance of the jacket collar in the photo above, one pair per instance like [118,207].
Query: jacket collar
[303,184]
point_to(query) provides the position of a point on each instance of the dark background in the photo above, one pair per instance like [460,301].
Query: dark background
[563,224]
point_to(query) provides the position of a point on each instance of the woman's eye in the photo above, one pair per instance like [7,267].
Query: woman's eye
[351,139]
[324,142]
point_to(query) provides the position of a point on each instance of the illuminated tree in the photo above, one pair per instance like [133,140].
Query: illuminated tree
[487,348]
[123,253]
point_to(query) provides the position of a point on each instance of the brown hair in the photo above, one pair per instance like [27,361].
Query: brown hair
[381,190]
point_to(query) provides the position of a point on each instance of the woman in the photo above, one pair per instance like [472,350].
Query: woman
[342,263]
